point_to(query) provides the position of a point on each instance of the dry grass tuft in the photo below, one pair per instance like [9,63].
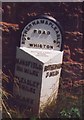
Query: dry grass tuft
[53,105]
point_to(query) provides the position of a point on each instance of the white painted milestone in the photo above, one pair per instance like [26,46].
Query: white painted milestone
[38,65]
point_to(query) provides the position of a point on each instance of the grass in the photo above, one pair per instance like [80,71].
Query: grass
[69,98]
[69,102]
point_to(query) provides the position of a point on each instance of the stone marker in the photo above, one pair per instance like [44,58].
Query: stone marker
[38,65]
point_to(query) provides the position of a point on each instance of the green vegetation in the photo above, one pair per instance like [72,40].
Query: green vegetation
[72,113]
[68,104]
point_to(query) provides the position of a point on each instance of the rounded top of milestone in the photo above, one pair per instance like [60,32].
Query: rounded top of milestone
[43,32]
